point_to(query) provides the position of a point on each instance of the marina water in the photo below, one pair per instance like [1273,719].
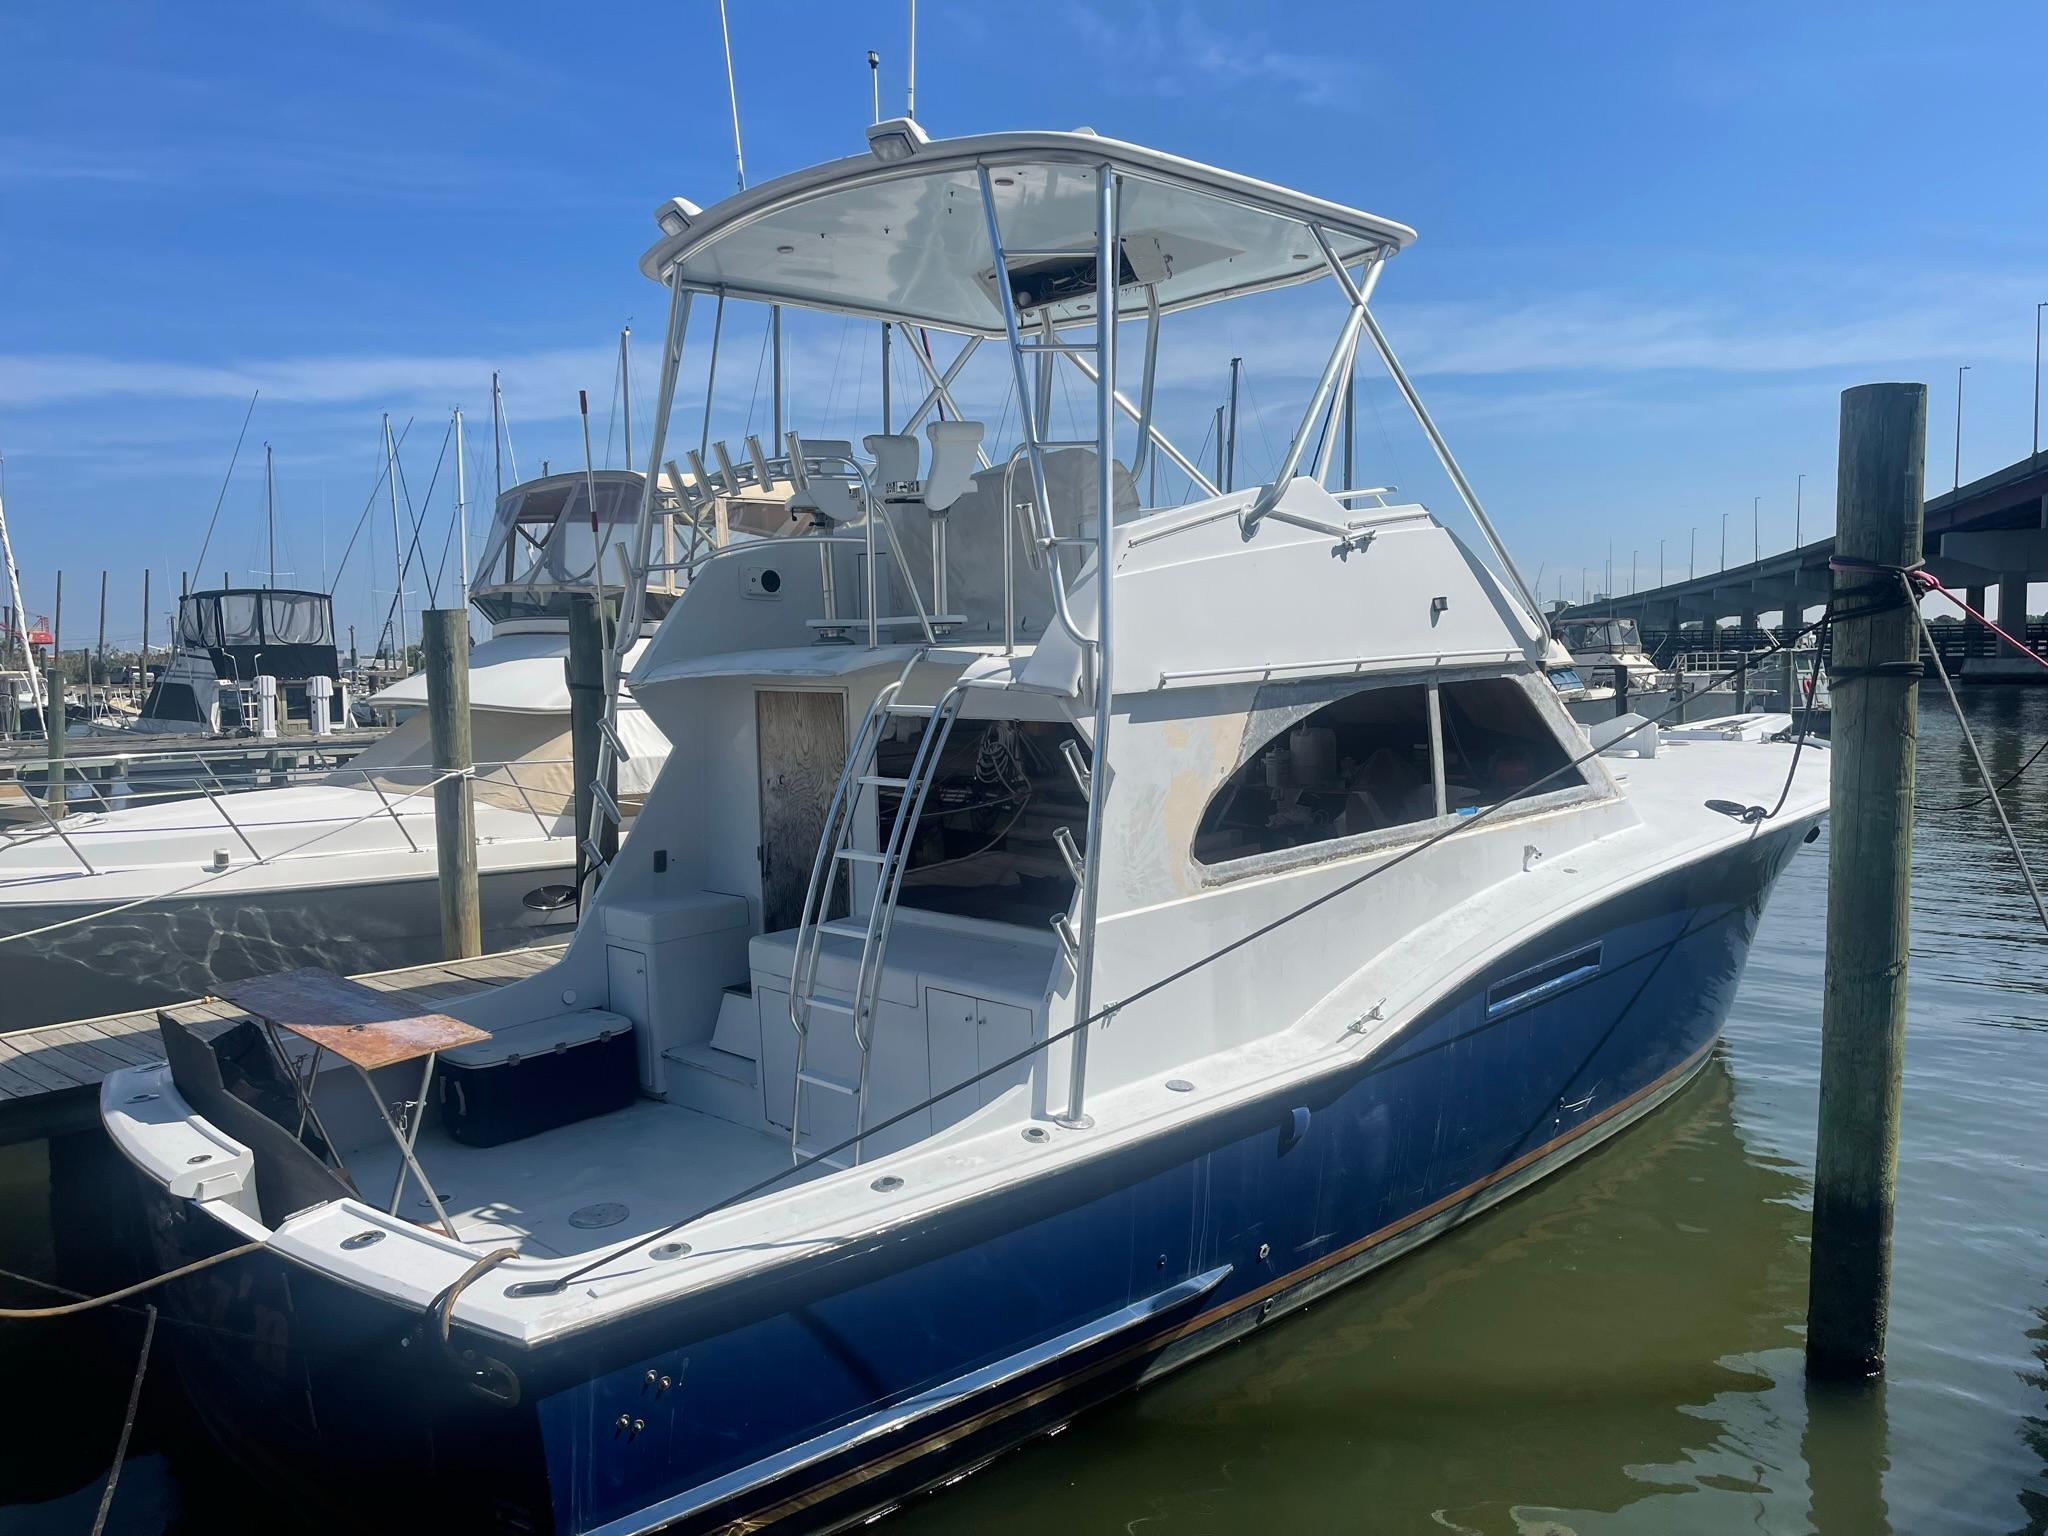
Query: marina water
[1617,1351]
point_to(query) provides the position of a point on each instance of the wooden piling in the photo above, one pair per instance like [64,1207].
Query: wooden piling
[53,733]
[586,709]
[1875,677]
[445,637]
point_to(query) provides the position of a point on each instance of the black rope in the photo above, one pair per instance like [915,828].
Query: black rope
[1462,824]
[1999,789]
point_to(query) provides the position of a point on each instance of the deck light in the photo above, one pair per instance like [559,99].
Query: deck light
[674,215]
[897,139]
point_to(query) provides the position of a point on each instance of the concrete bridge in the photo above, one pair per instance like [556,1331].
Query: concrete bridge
[1991,534]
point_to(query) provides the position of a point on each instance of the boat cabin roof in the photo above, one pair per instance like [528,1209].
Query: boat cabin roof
[901,233]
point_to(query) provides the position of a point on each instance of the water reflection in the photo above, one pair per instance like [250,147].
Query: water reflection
[1619,1334]
[1844,1450]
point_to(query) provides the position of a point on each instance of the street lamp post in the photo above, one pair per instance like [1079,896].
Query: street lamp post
[1692,554]
[1798,506]
[1724,541]
[1958,485]
[1631,573]
[1756,528]
[1660,562]
[2037,377]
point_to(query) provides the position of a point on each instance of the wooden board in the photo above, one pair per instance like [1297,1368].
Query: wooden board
[361,1025]
[52,1061]
[800,735]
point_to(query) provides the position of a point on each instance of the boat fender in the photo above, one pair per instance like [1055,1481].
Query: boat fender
[484,1375]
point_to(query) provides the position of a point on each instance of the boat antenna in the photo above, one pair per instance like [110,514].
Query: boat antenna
[731,95]
[207,542]
[875,82]
[20,626]
[910,91]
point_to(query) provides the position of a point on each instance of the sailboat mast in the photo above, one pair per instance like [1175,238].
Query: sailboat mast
[397,536]
[270,514]
[497,444]
[20,625]
[626,389]
[461,515]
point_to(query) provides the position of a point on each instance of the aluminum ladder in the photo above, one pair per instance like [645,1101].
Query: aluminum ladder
[838,850]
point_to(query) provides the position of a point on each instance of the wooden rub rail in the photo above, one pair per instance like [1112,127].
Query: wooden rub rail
[39,1066]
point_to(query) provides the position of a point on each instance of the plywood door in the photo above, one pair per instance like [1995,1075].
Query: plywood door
[801,737]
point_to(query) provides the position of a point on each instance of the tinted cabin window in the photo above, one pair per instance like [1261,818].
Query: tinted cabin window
[1360,764]
[1495,744]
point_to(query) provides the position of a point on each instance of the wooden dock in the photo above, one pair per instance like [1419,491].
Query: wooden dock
[50,1076]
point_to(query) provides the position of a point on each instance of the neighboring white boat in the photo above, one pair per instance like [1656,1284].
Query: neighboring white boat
[336,869]
[1069,935]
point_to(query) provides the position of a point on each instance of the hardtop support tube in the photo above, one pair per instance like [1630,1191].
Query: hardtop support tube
[1107,270]
[1157,438]
[1539,631]
[942,386]
[1018,362]
[1145,384]
[1323,398]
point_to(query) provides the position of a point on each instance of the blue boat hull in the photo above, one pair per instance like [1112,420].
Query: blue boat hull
[829,1390]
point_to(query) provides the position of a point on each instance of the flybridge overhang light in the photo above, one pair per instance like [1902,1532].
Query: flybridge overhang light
[899,233]
[897,139]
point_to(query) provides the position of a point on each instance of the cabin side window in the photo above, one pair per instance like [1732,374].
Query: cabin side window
[1370,762]
[1497,744]
[1359,764]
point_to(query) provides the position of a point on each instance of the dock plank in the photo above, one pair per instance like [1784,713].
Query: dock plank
[37,1064]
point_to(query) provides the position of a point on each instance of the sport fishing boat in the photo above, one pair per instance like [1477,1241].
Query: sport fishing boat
[190,883]
[245,661]
[1070,933]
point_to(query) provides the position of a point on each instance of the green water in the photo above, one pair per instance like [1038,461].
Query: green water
[1618,1350]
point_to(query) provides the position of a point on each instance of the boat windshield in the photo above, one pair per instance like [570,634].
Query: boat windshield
[1607,637]
[545,543]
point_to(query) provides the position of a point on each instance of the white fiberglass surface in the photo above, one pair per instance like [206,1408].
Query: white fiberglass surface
[659,1161]
[910,239]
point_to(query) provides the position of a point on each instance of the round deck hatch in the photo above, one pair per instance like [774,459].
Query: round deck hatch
[606,1213]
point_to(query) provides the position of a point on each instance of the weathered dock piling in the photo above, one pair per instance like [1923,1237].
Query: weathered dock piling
[1875,679]
[586,711]
[445,635]
[53,733]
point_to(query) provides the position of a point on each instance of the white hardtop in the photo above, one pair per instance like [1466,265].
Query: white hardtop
[907,238]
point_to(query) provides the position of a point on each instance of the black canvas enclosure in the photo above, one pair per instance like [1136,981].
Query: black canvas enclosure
[534,1077]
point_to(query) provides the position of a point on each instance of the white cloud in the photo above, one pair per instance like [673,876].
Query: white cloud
[65,378]
[1174,52]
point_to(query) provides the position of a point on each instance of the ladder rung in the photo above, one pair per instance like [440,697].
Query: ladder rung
[884,781]
[828,1082]
[830,1005]
[862,855]
[922,711]
[846,927]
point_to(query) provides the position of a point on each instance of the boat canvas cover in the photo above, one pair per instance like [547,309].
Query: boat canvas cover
[907,239]
[271,631]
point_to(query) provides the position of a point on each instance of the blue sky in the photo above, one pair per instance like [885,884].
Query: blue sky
[1656,242]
